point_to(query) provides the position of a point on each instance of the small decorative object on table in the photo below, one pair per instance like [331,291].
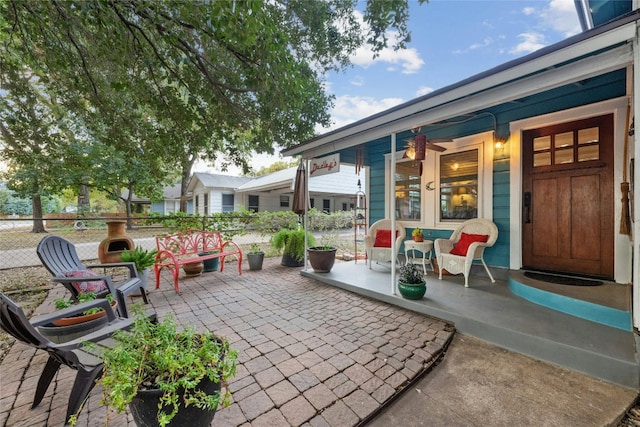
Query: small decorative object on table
[411,284]
[417,235]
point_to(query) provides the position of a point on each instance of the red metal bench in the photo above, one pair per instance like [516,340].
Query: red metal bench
[181,248]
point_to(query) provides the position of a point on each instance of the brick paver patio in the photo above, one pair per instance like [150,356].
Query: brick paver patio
[309,354]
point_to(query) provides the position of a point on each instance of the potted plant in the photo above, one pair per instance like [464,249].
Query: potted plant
[323,257]
[212,264]
[69,328]
[291,242]
[143,259]
[411,284]
[255,256]
[417,235]
[167,376]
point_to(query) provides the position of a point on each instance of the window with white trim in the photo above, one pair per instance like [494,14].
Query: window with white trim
[408,190]
[458,185]
[227,202]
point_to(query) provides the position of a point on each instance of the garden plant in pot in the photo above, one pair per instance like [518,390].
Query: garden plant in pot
[322,257]
[291,242]
[166,375]
[143,259]
[69,328]
[411,284]
[210,265]
[417,235]
[255,256]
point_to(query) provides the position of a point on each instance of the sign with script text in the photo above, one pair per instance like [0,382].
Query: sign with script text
[325,165]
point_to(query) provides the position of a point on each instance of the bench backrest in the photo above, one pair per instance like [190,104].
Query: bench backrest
[190,242]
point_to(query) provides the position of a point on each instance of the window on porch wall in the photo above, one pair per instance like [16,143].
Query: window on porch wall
[408,190]
[459,185]
[206,204]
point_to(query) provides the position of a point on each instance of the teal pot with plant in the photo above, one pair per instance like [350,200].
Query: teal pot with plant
[210,264]
[411,284]
[143,259]
[292,245]
[322,258]
[154,361]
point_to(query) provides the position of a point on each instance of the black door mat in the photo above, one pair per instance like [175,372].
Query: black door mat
[562,280]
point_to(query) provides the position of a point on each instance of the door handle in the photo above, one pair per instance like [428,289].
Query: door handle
[527,207]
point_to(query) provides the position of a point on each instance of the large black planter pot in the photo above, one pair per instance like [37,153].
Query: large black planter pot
[144,408]
[322,260]
[412,290]
[289,261]
[255,260]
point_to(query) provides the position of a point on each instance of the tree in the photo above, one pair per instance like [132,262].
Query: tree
[205,79]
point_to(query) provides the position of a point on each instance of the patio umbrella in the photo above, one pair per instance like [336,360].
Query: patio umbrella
[300,200]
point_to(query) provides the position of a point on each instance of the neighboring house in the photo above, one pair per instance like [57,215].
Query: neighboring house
[212,193]
[171,201]
[537,145]
[328,193]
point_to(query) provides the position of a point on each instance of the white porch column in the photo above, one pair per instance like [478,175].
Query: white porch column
[636,180]
[392,199]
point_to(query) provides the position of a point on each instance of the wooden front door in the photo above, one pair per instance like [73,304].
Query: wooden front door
[568,203]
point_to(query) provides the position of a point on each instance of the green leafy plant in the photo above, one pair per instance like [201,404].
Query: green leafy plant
[61,303]
[159,356]
[291,242]
[254,248]
[411,274]
[141,257]
[416,232]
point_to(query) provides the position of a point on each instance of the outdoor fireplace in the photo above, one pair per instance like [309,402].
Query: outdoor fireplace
[115,243]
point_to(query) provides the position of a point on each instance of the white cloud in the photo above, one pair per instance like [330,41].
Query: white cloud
[357,81]
[423,90]
[530,42]
[349,109]
[408,59]
[528,10]
[561,16]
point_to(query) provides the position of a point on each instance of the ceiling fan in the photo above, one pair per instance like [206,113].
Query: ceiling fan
[417,146]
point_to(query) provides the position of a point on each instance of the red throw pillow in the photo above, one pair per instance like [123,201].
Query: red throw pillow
[383,239]
[87,286]
[465,241]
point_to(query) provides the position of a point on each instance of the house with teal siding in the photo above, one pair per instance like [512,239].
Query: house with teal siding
[543,146]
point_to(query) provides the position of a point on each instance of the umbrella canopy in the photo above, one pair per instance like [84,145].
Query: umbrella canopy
[300,200]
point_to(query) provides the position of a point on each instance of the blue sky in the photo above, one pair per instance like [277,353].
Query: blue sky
[450,41]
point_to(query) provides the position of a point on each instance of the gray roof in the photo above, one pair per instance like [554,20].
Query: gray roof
[219,181]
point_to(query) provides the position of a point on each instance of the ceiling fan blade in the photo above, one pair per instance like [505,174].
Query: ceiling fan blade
[434,147]
[439,140]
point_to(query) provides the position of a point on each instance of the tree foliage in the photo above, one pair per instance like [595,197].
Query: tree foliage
[152,86]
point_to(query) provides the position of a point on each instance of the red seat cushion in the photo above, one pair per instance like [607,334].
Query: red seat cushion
[86,286]
[465,241]
[383,239]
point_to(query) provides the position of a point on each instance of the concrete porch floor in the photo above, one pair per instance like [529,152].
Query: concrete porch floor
[489,311]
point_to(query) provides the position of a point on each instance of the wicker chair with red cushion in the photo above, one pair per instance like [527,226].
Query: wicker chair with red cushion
[467,243]
[377,242]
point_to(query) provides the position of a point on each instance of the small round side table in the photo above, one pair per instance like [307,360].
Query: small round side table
[426,247]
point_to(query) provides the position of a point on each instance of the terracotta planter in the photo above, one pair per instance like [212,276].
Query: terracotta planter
[67,321]
[418,238]
[193,268]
